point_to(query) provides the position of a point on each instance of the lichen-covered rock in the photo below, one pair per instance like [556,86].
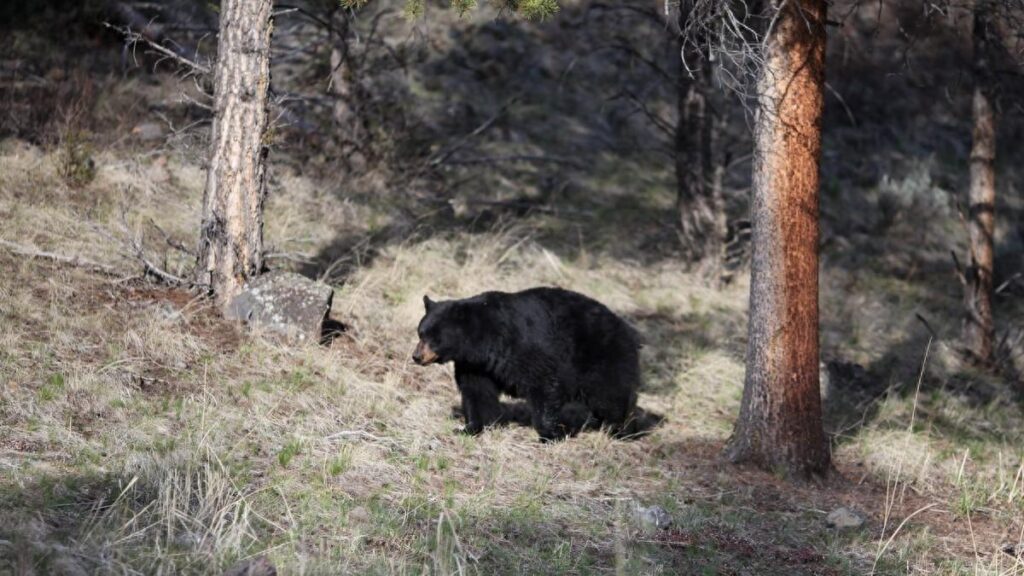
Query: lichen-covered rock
[285,305]
[844,518]
[653,518]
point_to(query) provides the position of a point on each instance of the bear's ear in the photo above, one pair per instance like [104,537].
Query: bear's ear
[427,302]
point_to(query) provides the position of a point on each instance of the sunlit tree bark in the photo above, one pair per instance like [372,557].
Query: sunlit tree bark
[780,425]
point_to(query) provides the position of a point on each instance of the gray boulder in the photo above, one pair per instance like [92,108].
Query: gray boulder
[285,305]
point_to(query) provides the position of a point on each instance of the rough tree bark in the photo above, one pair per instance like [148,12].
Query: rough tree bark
[780,426]
[231,239]
[978,327]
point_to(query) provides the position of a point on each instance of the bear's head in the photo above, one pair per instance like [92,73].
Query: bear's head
[451,330]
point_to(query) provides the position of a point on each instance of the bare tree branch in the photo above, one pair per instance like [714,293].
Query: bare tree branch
[516,158]
[442,158]
[132,38]
[76,261]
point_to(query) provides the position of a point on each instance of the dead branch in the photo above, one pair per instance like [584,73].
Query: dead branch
[926,325]
[639,106]
[517,158]
[842,102]
[134,19]
[1009,281]
[462,142]
[641,57]
[132,38]
[151,269]
[131,248]
[960,273]
[177,245]
[731,34]
[76,261]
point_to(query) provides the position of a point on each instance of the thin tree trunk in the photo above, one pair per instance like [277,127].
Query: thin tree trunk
[341,88]
[231,240]
[779,426]
[978,327]
[696,203]
[698,200]
[351,132]
[341,72]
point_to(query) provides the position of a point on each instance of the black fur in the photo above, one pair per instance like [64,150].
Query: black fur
[572,359]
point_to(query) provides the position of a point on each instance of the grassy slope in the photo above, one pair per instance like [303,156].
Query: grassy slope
[139,433]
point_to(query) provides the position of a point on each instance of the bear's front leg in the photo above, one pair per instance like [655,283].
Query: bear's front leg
[480,404]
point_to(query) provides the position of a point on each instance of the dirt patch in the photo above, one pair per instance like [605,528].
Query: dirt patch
[711,480]
[744,551]
[222,336]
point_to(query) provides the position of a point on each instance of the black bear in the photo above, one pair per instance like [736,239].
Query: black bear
[572,359]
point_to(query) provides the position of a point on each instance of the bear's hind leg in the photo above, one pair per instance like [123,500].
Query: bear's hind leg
[574,417]
[480,405]
[546,413]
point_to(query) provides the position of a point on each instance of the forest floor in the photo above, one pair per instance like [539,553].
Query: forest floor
[139,433]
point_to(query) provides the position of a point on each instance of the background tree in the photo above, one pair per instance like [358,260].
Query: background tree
[231,238]
[780,426]
[978,327]
[699,203]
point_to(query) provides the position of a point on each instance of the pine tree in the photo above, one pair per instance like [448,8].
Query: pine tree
[231,238]
[780,423]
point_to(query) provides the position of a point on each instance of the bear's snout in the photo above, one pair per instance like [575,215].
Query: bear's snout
[423,355]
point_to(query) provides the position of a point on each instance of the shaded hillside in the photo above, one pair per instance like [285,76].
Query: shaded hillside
[141,434]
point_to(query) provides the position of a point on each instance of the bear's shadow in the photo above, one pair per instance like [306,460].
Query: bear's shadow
[518,413]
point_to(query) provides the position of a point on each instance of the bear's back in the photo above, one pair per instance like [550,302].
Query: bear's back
[579,325]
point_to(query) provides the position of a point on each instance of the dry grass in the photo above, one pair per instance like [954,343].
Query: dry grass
[141,434]
[138,434]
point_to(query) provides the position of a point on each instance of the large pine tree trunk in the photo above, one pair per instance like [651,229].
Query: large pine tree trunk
[978,327]
[231,241]
[780,426]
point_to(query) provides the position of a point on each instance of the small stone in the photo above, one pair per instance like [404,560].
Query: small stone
[67,566]
[187,539]
[843,518]
[259,566]
[148,131]
[358,515]
[653,518]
